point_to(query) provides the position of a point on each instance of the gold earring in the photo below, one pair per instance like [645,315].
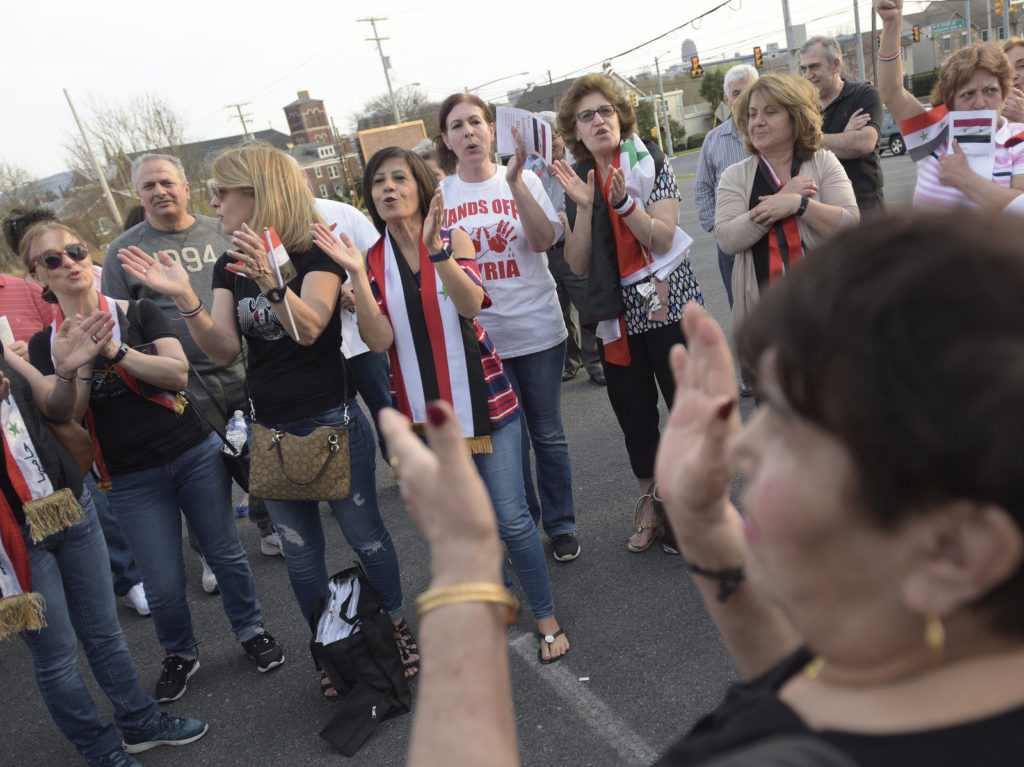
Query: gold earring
[935,635]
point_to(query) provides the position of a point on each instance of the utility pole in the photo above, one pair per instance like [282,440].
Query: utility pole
[967,15]
[664,107]
[860,42]
[988,17]
[1006,20]
[789,36]
[874,47]
[385,62]
[114,212]
[554,104]
[243,118]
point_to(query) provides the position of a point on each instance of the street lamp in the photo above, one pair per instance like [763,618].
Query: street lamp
[663,106]
[491,82]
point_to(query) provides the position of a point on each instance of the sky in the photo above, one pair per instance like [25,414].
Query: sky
[202,57]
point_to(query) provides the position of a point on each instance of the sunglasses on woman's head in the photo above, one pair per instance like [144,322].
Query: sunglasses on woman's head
[54,258]
[605,110]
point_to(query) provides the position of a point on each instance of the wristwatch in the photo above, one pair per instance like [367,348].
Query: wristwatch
[442,255]
[275,295]
[123,350]
[803,205]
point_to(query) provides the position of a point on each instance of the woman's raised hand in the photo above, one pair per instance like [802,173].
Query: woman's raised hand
[165,275]
[342,251]
[617,188]
[78,341]
[692,468]
[432,223]
[516,163]
[581,192]
[888,9]
[445,496]
[251,257]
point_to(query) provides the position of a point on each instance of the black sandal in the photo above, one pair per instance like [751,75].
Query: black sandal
[407,648]
[550,640]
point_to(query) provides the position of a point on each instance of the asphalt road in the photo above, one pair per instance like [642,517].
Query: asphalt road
[645,662]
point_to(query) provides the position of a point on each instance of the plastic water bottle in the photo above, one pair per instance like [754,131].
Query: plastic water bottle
[236,433]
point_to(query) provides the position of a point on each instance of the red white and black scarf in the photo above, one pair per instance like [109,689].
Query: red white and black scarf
[170,400]
[46,512]
[781,247]
[435,354]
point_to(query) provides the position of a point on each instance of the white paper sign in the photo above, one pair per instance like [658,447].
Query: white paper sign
[535,133]
[975,133]
[6,336]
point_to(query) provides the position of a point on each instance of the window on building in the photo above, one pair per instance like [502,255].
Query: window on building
[323,190]
[947,43]
[984,35]
[1002,32]
[333,171]
[319,172]
[339,189]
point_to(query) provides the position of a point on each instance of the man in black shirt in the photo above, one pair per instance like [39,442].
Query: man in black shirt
[851,115]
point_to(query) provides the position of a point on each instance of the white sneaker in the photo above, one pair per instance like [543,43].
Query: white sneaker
[209,579]
[270,545]
[136,599]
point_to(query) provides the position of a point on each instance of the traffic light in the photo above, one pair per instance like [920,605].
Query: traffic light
[758,59]
[632,99]
[917,33]
[696,70]
[998,7]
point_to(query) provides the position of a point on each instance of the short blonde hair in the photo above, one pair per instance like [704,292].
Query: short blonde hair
[566,118]
[800,100]
[278,185]
[963,63]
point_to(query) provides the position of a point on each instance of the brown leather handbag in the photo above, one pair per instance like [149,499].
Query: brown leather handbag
[285,467]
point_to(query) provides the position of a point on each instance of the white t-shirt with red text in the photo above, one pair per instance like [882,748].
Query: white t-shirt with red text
[524,316]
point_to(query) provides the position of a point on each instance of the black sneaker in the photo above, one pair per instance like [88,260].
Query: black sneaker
[174,678]
[165,731]
[565,547]
[264,651]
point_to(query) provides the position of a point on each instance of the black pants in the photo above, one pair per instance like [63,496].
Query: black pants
[633,392]
[581,346]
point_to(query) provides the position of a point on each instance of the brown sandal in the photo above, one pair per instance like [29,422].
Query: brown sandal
[407,648]
[638,515]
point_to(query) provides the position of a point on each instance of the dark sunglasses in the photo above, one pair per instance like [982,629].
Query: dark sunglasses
[54,258]
[606,111]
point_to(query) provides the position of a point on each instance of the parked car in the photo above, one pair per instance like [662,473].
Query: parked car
[890,138]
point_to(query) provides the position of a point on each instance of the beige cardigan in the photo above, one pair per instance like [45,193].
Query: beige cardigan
[736,233]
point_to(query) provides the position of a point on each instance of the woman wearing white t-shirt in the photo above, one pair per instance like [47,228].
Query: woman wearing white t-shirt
[512,222]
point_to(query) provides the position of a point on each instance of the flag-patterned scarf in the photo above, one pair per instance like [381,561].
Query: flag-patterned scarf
[435,354]
[781,247]
[46,512]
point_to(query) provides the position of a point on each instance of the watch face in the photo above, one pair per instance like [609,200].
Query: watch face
[275,295]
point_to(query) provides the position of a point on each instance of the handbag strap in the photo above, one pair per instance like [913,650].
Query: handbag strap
[209,394]
[198,410]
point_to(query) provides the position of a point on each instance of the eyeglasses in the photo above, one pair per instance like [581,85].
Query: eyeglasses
[218,191]
[606,111]
[54,258]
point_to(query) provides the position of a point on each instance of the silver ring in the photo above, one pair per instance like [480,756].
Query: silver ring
[145,270]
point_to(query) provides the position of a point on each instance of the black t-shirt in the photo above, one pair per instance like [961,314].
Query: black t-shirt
[60,467]
[865,172]
[287,381]
[752,712]
[134,433]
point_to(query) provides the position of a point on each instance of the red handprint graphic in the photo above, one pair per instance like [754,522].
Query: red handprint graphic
[498,242]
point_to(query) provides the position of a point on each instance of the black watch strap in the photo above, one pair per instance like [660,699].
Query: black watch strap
[120,354]
[804,201]
[275,295]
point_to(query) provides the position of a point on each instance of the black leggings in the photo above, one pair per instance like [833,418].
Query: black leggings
[634,395]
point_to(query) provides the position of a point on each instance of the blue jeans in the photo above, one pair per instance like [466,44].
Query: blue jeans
[502,472]
[725,264]
[302,534]
[122,561]
[537,381]
[373,382]
[80,608]
[146,505]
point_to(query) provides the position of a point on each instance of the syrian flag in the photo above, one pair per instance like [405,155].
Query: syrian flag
[927,133]
[974,130]
[278,256]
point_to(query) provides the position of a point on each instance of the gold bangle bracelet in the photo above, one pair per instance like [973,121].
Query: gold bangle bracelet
[468,592]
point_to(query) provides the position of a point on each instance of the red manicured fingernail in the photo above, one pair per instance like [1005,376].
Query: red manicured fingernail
[725,410]
[436,414]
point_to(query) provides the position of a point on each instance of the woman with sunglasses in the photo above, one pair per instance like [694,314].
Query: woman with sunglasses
[417,295]
[511,222]
[622,205]
[154,455]
[294,368]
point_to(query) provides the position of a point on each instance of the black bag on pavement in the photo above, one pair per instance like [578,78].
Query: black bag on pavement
[364,665]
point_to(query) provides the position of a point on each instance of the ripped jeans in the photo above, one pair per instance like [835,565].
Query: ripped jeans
[302,534]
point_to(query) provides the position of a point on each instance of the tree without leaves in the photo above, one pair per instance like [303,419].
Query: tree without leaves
[413,104]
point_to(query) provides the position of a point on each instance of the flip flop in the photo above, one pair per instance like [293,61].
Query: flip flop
[550,639]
